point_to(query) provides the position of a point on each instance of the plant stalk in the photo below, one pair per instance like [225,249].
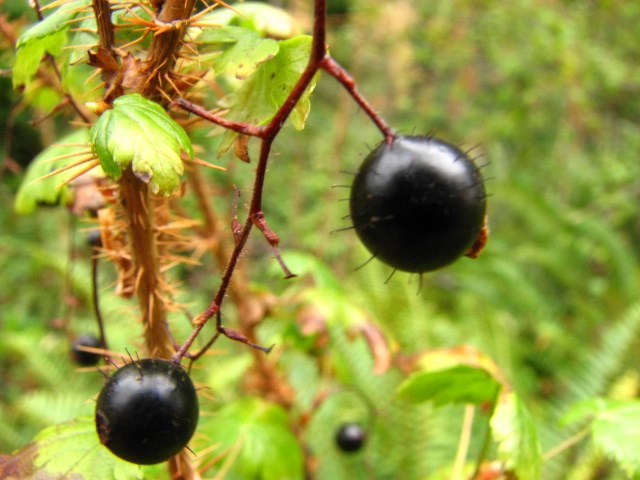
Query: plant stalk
[136,202]
[172,21]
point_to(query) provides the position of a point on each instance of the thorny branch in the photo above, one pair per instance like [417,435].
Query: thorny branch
[319,59]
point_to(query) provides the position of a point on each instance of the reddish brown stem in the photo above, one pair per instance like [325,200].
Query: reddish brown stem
[334,69]
[318,59]
[268,135]
[240,127]
[38,9]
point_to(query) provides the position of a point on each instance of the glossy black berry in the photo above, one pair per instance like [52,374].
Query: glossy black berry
[351,437]
[418,204]
[82,357]
[147,411]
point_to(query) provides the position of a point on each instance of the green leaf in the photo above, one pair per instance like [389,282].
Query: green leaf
[245,55]
[616,431]
[29,56]
[138,132]
[47,36]
[258,441]
[261,95]
[221,36]
[265,19]
[515,433]
[57,21]
[584,409]
[458,384]
[71,450]
[84,36]
[41,97]
[33,191]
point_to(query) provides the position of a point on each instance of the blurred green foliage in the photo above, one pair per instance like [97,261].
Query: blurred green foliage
[546,95]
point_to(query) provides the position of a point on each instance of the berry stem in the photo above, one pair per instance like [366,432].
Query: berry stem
[95,294]
[334,69]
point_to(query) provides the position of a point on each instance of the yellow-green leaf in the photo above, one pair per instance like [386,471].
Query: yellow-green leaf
[47,36]
[257,439]
[32,191]
[516,435]
[137,132]
[261,95]
[458,384]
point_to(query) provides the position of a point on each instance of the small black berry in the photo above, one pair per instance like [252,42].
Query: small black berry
[82,357]
[94,239]
[147,411]
[351,437]
[418,204]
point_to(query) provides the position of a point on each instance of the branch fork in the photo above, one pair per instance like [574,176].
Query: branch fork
[319,59]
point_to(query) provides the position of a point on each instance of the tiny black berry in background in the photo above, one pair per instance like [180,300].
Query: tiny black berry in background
[94,239]
[147,411]
[81,357]
[351,437]
[418,204]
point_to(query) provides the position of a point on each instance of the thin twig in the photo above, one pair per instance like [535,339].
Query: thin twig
[268,135]
[463,444]
[566,444]
[95,294]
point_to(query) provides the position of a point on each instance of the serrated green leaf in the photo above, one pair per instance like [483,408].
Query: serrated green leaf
[138,132]
[258,441]
[261,95]
[245,55]
[458,384]
[47,36]
[33,192]
[616,431]
[29,56]
[517,438]
[72,450]
[241,50]
[57,21]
